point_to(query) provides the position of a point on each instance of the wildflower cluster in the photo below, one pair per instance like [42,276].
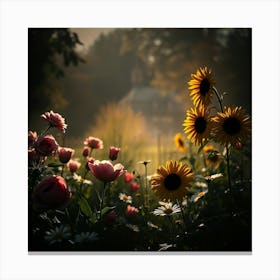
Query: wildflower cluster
[200,201]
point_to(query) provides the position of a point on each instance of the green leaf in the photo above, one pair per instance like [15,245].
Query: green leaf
[85,207]
[105,210]
[185,158]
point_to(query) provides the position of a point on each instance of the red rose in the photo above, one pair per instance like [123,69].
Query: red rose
[51,193]
[46,145]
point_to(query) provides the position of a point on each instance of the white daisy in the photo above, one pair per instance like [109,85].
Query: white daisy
[167,209]
[58,234]
[125,198]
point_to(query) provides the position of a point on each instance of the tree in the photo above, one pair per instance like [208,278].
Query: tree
[49,51]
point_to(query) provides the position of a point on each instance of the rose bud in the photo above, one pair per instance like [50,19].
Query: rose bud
[86,151]
[65,154]
[73,165]
[93,142]
[113,153]
[32,138]
[134,186]
[131,211]
[111,218]
[128,177]
[105,171]
[46,145]
[51,193]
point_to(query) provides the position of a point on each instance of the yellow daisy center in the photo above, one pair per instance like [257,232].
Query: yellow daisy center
[200,125]
[231,126]
[172,181]
[204,86]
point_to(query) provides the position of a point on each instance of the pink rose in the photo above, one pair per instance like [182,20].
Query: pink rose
[134,186]
[113,153]
[46,145]
[128,177]
[131,211]
[65,154]
[51,193]
[55,120]
[105,171]
[73,165]
[94,143]
[32,138]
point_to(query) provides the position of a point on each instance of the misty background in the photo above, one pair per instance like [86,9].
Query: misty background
[128,86]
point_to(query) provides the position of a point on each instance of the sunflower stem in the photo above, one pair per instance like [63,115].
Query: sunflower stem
[227,150]
[182,213]
[219,99]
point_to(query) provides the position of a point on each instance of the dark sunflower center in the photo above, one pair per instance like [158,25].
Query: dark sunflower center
[181,142]
[231,126]
[200,125]
[172,182]
[204,86]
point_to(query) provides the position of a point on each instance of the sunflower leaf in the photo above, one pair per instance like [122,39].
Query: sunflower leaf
[202,146]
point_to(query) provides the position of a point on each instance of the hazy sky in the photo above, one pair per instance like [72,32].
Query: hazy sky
[89,35]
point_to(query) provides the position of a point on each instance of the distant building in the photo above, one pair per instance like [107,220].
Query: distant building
[164,113]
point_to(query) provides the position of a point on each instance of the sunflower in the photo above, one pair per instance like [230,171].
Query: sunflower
[172,180]
[197,125]
[179,142]
[232,127]
[201,87]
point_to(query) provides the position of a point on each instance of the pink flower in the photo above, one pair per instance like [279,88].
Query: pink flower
[105,171]
[111,218]
[113,153]
[55,120]
[65,154]
[94,143]
[86,151]
[134,186]
[51,193]
[32,138]
[73,165]
[46,145]
[131,211]
[128,177]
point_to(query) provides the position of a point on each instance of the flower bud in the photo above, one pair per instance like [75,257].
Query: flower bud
[73,165]
[134,186]
[131,211]
[113,153]
[65,154]
[86,151]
